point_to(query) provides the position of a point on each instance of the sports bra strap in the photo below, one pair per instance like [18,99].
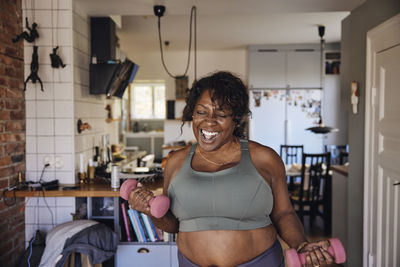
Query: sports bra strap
[244,144]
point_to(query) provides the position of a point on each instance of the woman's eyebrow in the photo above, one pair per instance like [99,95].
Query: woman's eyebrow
[201,105]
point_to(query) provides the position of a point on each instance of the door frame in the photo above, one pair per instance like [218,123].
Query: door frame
[382,37]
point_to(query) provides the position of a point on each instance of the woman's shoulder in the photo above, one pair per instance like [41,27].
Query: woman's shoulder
[262,150]
[177,157]
[179,154]
[175,160]
[264,156]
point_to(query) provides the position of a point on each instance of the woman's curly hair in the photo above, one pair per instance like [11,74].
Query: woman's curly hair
[226,90]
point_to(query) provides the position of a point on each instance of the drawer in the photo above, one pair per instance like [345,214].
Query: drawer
[143,255]
[174,256]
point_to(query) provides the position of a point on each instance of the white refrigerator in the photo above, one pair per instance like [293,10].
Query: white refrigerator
[281,116]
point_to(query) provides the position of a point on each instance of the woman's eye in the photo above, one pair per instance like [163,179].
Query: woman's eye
[201,112]
[221,115]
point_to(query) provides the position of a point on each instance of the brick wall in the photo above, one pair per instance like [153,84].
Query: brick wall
[12,130]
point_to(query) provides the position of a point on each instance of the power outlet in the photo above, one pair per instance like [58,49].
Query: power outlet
[59,162]
[48,159]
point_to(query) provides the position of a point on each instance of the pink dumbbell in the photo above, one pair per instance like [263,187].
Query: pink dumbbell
[336,250]
[159,205]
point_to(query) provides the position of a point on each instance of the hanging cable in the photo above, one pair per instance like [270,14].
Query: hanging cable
[192,18]
[195,45]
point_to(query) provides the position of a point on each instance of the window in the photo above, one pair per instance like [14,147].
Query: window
[147,101]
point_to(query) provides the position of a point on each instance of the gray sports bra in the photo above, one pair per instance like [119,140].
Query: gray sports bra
[237,198]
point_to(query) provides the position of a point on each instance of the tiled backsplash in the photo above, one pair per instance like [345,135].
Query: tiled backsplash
[51,115]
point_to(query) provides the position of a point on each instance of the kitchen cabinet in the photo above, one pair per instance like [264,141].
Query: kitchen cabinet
[284,66]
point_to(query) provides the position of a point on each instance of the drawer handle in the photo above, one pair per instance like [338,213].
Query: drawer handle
[143,250]
[396,184]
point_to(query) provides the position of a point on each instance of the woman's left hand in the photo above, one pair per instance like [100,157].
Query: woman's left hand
[317,254]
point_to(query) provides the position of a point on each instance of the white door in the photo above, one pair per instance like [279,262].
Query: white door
[382,147]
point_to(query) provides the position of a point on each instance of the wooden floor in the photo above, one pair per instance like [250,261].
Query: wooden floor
[316,233]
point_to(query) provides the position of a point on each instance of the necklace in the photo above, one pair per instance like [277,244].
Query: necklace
[210,161]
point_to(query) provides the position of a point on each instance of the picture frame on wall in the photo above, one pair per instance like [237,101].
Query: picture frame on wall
[181,86]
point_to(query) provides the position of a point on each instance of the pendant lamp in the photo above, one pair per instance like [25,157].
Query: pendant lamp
[321,128]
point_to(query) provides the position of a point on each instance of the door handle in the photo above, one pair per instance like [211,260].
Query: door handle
[396,184]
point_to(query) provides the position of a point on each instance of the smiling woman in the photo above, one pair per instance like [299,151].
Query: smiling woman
[228,195]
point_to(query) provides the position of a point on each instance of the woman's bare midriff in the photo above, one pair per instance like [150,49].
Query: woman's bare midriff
[225,248]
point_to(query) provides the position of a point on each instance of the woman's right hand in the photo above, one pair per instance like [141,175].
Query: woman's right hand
[317,254]
[139,199]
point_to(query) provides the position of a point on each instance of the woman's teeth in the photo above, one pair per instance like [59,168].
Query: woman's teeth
[208,135]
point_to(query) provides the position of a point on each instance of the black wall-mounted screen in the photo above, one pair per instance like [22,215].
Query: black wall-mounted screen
[112,79]
[123,76]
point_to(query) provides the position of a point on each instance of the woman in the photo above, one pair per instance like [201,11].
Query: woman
[229,198]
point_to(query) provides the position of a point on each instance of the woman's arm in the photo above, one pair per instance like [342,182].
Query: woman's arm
[270,166]
[139,198]
[284,217]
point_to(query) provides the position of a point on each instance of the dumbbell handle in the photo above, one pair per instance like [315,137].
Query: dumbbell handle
[336,250]
[303,255]
[159,205]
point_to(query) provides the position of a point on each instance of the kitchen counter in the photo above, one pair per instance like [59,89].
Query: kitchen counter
[84,190]
[342,169]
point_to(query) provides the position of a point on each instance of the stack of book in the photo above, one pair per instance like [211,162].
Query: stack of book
[138,226]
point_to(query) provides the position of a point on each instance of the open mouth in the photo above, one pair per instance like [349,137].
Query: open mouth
[208,135]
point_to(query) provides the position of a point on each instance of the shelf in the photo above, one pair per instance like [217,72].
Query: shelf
[162,243]
[144,134]
[172,147]
[84,190]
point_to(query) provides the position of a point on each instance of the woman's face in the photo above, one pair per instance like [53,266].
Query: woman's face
[213,126]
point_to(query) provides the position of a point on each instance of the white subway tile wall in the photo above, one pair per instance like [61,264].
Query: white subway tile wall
[47,94]
[44,216]
[45,126]
[64,127]
[30,107]
[62,91]
[51,135]
[44,109]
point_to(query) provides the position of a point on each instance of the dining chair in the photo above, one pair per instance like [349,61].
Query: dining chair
[313,195]
[291,153]
[336,151]
[343,158]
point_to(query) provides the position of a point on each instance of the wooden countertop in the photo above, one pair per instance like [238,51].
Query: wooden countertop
[84,190]
[342,169]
